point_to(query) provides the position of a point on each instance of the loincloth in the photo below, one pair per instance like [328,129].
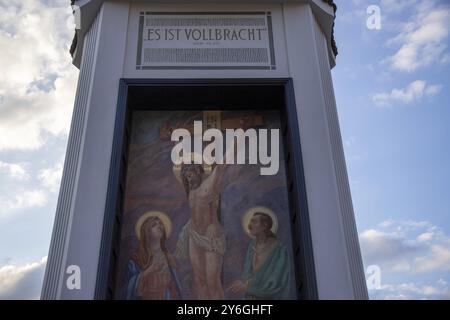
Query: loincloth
[209,242]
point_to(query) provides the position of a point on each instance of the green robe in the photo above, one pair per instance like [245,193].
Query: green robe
[273,279]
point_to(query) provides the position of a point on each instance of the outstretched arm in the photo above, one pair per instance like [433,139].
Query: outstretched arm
[220,169]
[217,175]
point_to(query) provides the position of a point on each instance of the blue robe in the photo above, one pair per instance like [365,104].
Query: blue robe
[273,280]
[132,280]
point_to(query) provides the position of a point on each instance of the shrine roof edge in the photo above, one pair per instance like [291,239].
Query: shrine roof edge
[85,12]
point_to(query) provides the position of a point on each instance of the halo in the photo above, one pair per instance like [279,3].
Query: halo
[161,215]
[207,168]
[249,214]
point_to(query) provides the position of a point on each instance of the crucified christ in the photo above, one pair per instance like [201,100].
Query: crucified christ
[202,238]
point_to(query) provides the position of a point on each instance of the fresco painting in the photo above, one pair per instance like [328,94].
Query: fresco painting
[202,231]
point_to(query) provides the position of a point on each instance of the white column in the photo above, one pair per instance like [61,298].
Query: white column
[333,231]
[79,218]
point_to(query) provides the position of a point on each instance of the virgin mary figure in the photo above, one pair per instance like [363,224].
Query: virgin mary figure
[151,272]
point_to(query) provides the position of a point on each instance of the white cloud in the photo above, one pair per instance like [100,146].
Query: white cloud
[401,266]
[37,82]
[426,236]
[51,177]
[416,225]
[22,282]
[383,248]
[439,289]
[415,247]
[395,6]
[14,170]
[409,254]
[422,40]
[24,199]
[349,142]
[351,16]
[413,92]
[386,223]
[438,258]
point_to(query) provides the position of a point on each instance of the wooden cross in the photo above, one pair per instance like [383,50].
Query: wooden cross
[213,119]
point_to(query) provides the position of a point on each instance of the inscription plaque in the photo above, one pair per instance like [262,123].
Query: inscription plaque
[205,40]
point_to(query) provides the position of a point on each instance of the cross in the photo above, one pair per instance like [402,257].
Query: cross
[213,119]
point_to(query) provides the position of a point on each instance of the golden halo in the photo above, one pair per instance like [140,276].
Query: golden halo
[248,215]
[207,168]
[161,215]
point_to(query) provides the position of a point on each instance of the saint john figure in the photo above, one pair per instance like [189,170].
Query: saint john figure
[267,269]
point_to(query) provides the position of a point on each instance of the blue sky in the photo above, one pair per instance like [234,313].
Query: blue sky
[391,88]
[392,94]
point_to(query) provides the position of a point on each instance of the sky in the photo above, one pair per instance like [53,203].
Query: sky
[391,86]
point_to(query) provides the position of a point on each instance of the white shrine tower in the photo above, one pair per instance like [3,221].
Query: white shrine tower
[120,55]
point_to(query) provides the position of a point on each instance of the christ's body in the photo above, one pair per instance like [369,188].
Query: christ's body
[206,240]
